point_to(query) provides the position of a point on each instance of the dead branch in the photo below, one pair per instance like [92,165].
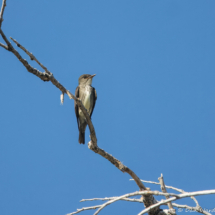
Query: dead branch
[2,12]
[163,188]
[162,202]
[110,198]
[200,210]
[173,188]
[85,209]
[152,206]
[48,76]
[180,196]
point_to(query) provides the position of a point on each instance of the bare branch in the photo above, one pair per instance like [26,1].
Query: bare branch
[150,182]
[147,200]
[162,202]
[163,188]
[132,194]
[197,209]
[32,57]
[118,164]
[103,199]
[147,195]
[110,198]
[2,12]
[5,39]
[84,209]
[169,187]
[4,46]
[93,143]
[48,76]
[173,188]
[30,69]
[183,195]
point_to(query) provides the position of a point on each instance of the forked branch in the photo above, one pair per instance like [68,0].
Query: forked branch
[125,197]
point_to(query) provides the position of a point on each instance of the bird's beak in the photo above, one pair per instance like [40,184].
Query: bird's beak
[90,77]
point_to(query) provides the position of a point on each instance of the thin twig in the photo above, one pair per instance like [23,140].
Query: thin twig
[170,187]
[110,198]
[84,209]
[2,12]
[163,188]
[4,46]
[32,57]
[197,209]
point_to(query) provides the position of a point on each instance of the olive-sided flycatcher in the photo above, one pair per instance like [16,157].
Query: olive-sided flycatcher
[88,96]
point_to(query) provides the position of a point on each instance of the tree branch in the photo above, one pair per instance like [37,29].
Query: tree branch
[4,46]
[197,209]
[48,76]
[2,12]
[32,57]
[147,200]
[148,209]
[163,188]
[147,195]
[85,209]
[183,195]
[173,188]
[110,198]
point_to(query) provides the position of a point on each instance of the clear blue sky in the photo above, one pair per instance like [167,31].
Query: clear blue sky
[155,111]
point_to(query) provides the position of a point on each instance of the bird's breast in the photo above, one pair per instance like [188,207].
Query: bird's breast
[86,99]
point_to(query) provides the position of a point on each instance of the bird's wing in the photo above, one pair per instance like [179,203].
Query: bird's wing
[76,105]
[94,94]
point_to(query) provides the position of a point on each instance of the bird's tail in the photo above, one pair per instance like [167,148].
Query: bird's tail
[81,137]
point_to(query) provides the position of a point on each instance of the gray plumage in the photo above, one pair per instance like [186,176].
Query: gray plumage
[88,96]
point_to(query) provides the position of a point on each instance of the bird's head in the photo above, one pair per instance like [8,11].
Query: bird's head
[85,79]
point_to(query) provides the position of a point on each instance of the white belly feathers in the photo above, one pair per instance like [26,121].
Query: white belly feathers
[86,101]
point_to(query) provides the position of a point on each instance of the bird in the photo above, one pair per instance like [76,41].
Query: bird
[87,94]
